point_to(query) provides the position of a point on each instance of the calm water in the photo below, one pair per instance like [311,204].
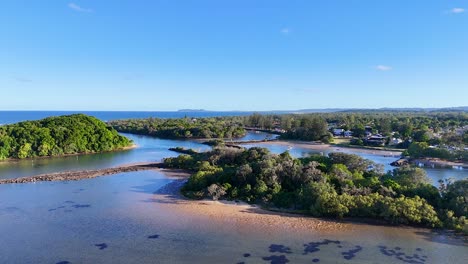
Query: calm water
[8,117]
[116,219]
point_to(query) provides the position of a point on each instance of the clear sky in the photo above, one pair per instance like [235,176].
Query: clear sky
[232,54]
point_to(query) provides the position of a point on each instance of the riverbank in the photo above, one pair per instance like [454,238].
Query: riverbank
[439,163]
[324,147]
[84,174]
[133,146]
[239,212]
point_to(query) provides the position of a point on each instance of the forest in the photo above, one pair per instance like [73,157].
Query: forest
[338,185]
[56,136]
[216,127]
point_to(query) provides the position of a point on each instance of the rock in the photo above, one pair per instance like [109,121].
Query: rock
[400,162]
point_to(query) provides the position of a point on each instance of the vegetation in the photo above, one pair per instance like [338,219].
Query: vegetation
[338,185]
[181,127]
[417,126]
[445,132]
[413,125]
[55,136]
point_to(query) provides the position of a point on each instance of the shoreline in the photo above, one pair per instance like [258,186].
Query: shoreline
[240,211]
[12,160]
[324,147]
[438,163]
[84,174]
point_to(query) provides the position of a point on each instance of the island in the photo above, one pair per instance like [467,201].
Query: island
[338,185]
[59,136]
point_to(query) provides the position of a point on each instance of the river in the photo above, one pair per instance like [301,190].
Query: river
[120,219]
[117,219]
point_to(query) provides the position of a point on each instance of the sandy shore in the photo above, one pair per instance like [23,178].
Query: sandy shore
[84,174]
[325,147]
[237,213]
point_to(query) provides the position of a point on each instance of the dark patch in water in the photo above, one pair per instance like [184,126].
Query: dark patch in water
[412,259]
[280,248]
[315,260]
[276,259]
[153,236]
[350,254]
[101,246]
[60,207]
[315,246]
[63,262]
[53,209]
[246,255]
[81,205]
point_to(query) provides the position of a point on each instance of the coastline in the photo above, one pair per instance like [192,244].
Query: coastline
[439,163]
[238,212]
[242,213]
[11,160]
[84,174]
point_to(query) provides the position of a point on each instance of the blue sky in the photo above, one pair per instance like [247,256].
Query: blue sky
[232,55]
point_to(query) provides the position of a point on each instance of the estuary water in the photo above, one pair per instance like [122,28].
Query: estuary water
[123,219]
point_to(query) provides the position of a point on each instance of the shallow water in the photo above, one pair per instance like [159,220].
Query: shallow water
[116,219]
[149,149]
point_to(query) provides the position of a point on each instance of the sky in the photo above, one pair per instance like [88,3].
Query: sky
[233,54]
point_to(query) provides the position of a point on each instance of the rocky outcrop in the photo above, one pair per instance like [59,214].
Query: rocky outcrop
[86,174]
[400,162]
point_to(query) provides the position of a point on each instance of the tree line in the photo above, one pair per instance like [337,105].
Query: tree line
[337,185]
[404,125]
[55,136]
[216,127]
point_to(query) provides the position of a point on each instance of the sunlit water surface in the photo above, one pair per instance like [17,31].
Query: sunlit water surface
[115,219]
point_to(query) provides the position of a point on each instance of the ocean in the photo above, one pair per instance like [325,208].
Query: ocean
[9,117]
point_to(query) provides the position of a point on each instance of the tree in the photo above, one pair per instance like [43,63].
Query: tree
[410,177]
[216,191]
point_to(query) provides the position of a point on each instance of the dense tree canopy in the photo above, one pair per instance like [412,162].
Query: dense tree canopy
[55,136]
[337,185]
[181,127]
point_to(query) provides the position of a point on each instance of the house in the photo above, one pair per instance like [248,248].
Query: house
[338,132]
[348,133]
[376,140]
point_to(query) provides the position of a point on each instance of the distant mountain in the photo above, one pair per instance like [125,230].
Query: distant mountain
[192,110]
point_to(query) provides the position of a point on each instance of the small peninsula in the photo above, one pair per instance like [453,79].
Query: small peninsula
[338,185]
[59,136]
